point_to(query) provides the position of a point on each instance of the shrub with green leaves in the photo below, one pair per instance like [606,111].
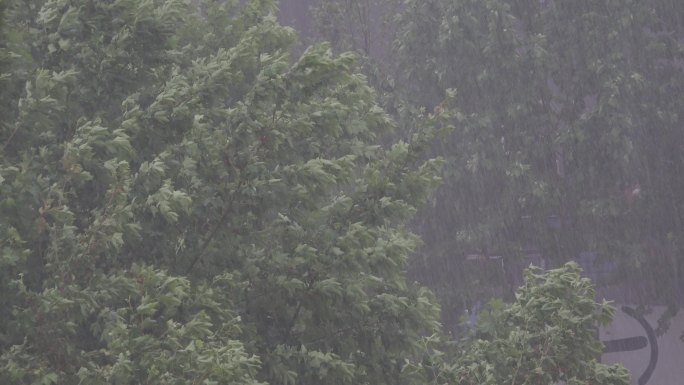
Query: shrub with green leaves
[546,336]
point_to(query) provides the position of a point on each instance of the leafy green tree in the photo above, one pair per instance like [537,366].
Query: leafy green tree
[183,202]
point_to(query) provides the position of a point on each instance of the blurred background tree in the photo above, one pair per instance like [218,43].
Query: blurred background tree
[568,134]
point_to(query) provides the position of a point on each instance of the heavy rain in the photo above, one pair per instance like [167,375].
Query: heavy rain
[386,192]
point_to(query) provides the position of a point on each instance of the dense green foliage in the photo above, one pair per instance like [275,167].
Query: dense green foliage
[171,184]
[546,336]
[184,202]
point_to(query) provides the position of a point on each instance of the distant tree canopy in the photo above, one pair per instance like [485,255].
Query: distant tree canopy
[568,133]
[184,202]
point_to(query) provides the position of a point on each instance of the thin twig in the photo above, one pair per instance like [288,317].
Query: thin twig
[215,230]
[16,128]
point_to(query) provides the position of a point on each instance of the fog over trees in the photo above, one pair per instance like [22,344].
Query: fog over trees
[335,191]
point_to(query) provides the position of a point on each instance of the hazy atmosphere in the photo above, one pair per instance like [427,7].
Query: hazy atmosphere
[380,192]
